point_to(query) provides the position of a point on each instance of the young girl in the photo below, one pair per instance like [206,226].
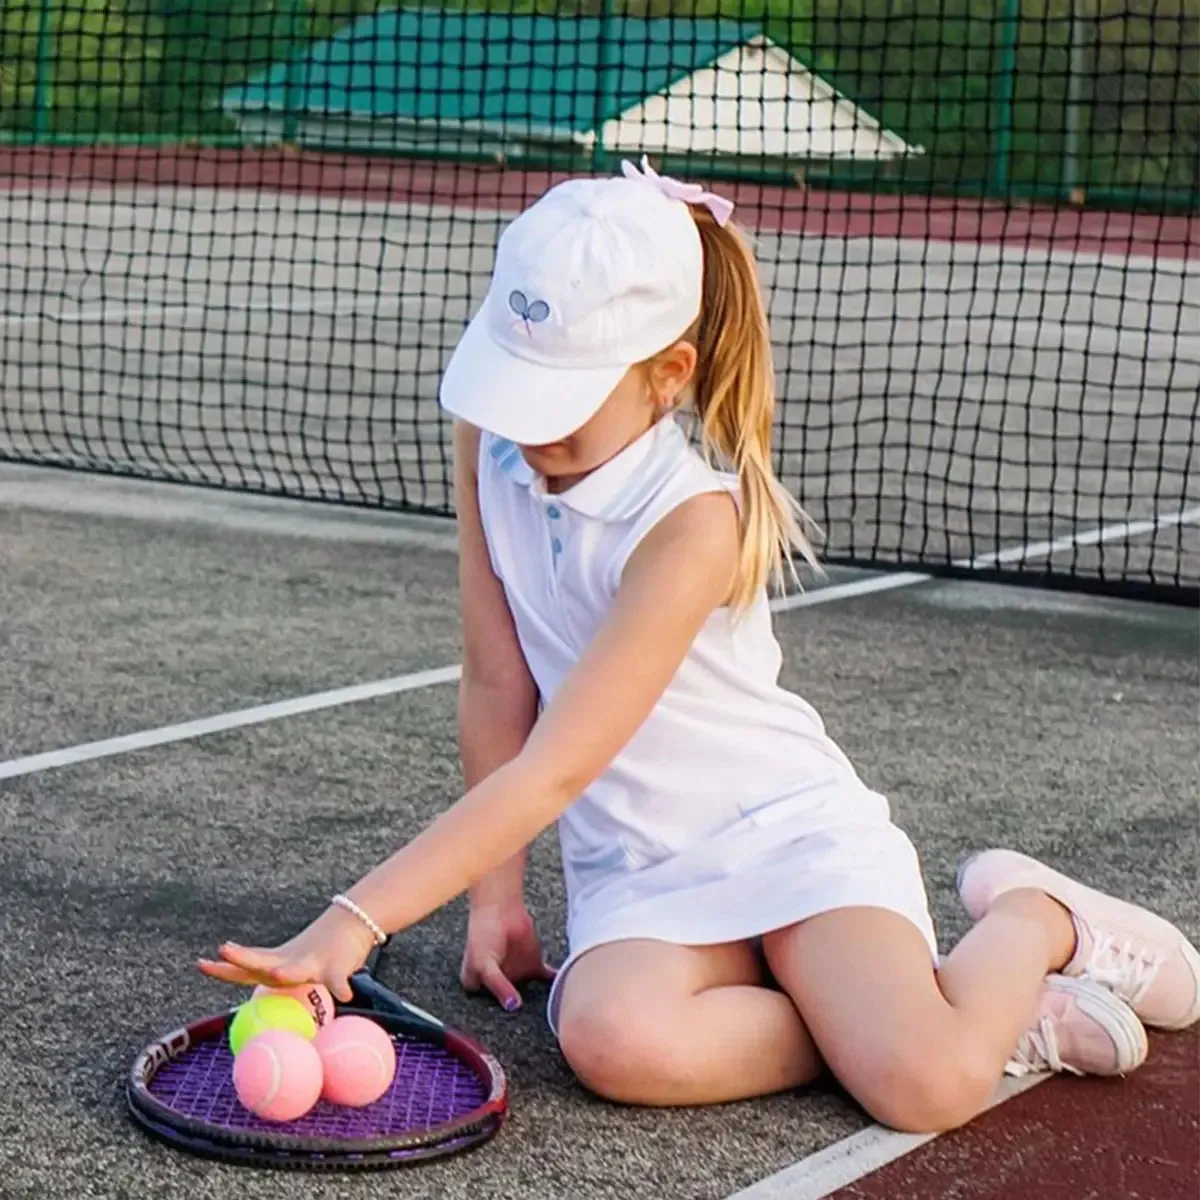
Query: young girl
[742,910]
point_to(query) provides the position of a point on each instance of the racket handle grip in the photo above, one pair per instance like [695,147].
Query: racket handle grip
[370,994]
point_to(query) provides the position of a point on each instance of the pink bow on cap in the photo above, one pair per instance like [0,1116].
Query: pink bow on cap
[676,189]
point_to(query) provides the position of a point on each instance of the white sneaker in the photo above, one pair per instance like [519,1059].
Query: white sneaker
[1141,958]
[1082,1028]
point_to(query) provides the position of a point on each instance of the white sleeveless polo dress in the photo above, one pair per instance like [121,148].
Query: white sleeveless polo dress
[730,812]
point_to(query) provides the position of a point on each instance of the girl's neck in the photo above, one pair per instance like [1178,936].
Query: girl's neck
[555,485]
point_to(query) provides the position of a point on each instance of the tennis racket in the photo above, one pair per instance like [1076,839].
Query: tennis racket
[449,1094]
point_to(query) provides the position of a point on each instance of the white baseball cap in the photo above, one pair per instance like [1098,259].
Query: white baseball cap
[597,275]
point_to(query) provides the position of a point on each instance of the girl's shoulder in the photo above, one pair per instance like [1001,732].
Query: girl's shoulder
[497,453]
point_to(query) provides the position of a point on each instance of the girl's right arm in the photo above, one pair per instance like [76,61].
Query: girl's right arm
[497,710]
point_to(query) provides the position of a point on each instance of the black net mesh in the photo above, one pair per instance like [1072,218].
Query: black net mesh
[239,242]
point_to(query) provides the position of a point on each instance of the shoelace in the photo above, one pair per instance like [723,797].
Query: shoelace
[1119,967]
[1037,1052]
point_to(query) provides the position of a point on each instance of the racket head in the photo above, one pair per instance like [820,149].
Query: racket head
[449,1094]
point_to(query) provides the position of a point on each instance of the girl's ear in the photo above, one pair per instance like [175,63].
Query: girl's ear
[669,375]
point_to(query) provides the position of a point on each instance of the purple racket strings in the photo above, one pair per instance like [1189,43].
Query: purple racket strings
[430,1088]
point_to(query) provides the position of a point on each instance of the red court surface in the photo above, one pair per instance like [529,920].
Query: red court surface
[1068,1139]
[819,213]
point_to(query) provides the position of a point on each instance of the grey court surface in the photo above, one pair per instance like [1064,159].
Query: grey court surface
[940,397]
[1060,725]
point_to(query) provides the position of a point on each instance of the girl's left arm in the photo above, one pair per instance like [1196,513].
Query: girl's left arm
[679,574]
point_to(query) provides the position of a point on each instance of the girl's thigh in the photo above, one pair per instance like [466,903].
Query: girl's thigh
[632,1000]
[647,1022]
[650,974]
[865,984]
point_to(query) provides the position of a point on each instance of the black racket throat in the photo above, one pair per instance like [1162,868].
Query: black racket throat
[371,996]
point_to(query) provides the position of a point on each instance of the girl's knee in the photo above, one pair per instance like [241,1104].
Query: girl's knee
[621,1053]
[917,1091]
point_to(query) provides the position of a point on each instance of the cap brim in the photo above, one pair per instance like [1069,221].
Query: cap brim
[521,401]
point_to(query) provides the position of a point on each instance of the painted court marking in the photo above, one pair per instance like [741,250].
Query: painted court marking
[223,722]
[165,734]
[852,1158]
[145,313]
[1123,530]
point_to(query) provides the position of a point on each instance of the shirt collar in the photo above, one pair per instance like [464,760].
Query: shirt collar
[615,490]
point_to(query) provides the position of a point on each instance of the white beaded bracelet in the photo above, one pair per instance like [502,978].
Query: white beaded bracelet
[349,905]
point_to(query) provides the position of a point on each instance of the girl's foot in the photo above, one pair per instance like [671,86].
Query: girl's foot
[1138,956]
[1082,1028]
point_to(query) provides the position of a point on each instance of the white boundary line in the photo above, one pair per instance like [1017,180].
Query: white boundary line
[143,312]
[1090,537]
[222,722]
[845,1162]
[166,734]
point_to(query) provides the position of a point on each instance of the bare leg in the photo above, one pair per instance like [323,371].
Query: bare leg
[646,1022]
[920,1049]
[994,975]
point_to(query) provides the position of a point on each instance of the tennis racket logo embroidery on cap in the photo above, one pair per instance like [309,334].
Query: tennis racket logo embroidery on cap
[529,312]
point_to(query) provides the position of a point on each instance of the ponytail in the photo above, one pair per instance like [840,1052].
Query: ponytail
[734,397]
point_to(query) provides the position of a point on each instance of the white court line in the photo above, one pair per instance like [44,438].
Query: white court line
[166,734]
[222,722]
[821,1174]
[143,312]
[1091,537]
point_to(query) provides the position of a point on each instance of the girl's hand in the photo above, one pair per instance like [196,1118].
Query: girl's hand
[329,951]
[503,949]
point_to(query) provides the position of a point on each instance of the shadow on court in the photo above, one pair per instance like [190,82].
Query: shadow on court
[1060,725]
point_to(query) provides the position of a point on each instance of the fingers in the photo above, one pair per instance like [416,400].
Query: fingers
[251,966]
[267,963]
[340,988]
[488,974]
[227,973]
[496,982]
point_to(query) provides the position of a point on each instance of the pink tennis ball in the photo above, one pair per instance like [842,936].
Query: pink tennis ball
[278,1075]
[359,1060]
[314,996]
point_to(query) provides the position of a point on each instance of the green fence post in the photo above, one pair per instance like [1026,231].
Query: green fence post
[291,121]
[1005,86]
[41,78]
[1072,184]
[603,53]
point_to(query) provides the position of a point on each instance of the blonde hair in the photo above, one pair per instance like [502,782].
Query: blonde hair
[733,394]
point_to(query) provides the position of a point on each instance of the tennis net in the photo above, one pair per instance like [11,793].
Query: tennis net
[239,245]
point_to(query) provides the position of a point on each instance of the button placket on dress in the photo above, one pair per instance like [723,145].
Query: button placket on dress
[553,518]
[555,530]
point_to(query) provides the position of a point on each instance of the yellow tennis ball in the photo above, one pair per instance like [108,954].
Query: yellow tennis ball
[261,1013]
